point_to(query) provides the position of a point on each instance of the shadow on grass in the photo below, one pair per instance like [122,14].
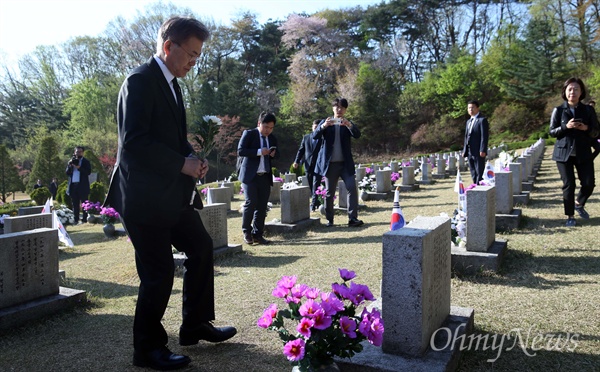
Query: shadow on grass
[69,254]
[102,289]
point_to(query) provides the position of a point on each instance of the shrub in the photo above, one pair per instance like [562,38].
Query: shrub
[298,171]
[40,195]
[97,192]
[61,194]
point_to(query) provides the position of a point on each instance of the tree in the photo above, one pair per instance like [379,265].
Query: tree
[9,175]
[47,163]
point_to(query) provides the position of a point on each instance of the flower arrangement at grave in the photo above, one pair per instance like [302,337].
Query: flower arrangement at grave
[367,184]
[91,208]
[458,225]
[368,170]
[325,324]
[278,179]
[394,176]
[65,215]
[505,158]
[109,215]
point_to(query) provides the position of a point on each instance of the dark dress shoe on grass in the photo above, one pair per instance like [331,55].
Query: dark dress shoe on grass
[160,359]
[205,331]
[260,240]
[248,239]
[330,223]
[353,222]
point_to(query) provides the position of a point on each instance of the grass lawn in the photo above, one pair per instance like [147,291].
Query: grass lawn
[548,284]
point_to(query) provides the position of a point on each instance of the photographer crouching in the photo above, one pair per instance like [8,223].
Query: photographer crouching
[78,171]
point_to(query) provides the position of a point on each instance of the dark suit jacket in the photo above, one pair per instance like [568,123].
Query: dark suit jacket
[85,168]
[247,150]
[568,139]
[308,153]
[477,140]
[328,136]
[147,185]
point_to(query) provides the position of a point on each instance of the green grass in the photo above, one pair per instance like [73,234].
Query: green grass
[548,283]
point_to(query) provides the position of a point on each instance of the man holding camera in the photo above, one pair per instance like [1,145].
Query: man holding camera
[78,171]
[335,159]
[256,148]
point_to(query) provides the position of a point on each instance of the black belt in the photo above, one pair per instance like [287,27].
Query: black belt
[261,173]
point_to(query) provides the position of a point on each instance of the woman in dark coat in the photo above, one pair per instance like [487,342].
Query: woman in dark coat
[575,125]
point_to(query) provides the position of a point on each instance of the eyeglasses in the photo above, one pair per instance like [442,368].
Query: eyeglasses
[193,57]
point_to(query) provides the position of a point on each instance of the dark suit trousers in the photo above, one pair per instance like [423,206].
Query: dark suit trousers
[334,172]
[76,198]
[154,262]
[314,181]
[585,172]
[255,208]
[476,166]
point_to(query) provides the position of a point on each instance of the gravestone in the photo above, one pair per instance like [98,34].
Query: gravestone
[452,164]
[394,166]
[28,222]
[29,278]
[519,196]
[26,211]
[342,195]
[482,250]
[507,217]
[425,173]
[305,181]
[415,303]
[408,179]
[290,177]
[462,166]
[214,219]
[383,181]
[360,174]
[231,186]
[440,170]
[294,205]
[275,195]
[219,195]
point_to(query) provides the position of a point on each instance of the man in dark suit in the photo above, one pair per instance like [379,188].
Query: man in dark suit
[152,187]
[307,154]
[335,159]
[256,149]
[53,187]
[78,171]
[476,141]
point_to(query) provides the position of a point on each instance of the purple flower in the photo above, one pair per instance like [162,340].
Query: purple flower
[280,292]
[294,350]
[341,290]
[287,281]
[264,321]
[204,191]
[297,292]
[304,327]
[368,170]
[361,292]
[312,293]
[309,308]
[395,176]
[348,326]
[331,304]
[372,326]
[347,274]
[322,321]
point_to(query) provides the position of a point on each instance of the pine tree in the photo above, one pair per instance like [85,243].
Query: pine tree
[47,163]
[9,175]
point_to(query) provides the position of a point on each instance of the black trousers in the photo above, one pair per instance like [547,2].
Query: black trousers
[335,171]
[255,208]
[477,167]
[76,198]
[314,181]
[155,267]
[585,173]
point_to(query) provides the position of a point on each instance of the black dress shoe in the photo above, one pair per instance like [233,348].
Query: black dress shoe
[205,331]
[248,239]
[330,223]
[260,240]
[354,222]
[160,359]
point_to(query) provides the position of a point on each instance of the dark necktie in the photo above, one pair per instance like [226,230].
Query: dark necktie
[267,158]
[179,96]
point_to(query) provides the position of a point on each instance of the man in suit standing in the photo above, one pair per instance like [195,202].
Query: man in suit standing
[152,187]
[256,149]
[53,187]
[307,154]
[476,141]
[335,159]
[78,171]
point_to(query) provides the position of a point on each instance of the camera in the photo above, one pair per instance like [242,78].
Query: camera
[74,160]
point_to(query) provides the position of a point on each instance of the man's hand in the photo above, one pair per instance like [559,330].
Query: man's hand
[295,165]
[195,167]
[482,154]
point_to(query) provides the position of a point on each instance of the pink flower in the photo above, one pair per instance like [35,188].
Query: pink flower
[309,308]
[304,327]
[294,350]
[348,326]
[264,321]
[347,275]
[280,292]
[372,327]
[322,321]
[297,292]
[361,292]
[287,281]
[312,293]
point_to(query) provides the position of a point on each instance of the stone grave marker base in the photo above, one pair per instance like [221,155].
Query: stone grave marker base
[413,187]
[275,228]
[527,186]
[470,262]
[179,258]
[439,176]
[342,210]
[521,199]
[378,195]
[29,311]
[426,182]
[509,221]
[373,359]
